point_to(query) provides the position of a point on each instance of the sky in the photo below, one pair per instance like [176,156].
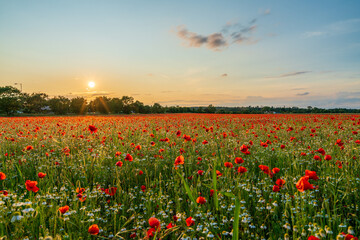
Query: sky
[187,53]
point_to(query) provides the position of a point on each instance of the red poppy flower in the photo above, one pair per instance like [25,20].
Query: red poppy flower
[200,172]
[313,238]
[303,184]
[141,172]
[41,175]
[239,160]
[280,182]
[128,158]
[228,164]
[150,232]
[179,160]
[119,163]
[2,176]
[242,169]
[170,225]
[201,200]
[275,170]
[211,192]
[321,151]
[311,174]
[28,148]
[94,229]
[190,221]
[64,209]
[317,158]
[92,129]
[154,222]
[276,188]
[143,188]
[31,186]
[349,236]
[327,157]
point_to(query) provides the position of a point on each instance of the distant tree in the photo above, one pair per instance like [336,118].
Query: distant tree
[138,107]
[127,104]
[11,100]
[210,109]
[59,105]
[35,102]
[116,105]
[101,104]
[157,108]
[78,105]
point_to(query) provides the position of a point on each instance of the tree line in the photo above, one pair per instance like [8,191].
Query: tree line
[13,101]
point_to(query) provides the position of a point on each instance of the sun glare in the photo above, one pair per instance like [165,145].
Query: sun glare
[91,84]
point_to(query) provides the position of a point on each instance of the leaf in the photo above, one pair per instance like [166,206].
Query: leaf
[187,189]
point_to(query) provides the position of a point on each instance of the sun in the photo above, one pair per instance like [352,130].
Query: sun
[91,84]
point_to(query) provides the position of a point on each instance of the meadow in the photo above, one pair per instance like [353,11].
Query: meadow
[180,176]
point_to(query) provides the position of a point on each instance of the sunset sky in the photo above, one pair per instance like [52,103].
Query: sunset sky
[187,53]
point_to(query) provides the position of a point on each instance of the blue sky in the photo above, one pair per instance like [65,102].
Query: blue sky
[232,53]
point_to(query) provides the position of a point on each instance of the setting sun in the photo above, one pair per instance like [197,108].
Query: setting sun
[91,84]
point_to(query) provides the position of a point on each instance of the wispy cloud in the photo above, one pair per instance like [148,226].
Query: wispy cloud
[290,74]
[303,94]
[90,94]
[340,27]
[224,75]
[231,33]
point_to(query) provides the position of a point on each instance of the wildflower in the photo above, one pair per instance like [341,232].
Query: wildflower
[190,221]
[94,229]
[179,160]
[2,176]
[313,238]
[242,169]
[276,188]
[92,129]
[128,158]
[303,184]
[311,174]
[154,222]
[239,160]
[41,175]
[64,209]
[119,164]
[228,165]
[31,186]
[201,200]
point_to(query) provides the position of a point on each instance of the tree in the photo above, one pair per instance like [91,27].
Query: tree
[11,100]
[59,105]
[210,109]
[35,102]
[127,103]
[157,108]
[116,105]
[101,104]
[78,105]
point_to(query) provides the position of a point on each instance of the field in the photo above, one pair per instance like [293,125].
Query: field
[184,176]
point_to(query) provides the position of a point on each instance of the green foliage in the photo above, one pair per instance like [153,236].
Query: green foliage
[11,100]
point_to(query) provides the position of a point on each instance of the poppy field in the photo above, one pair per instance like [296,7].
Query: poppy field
[180,176]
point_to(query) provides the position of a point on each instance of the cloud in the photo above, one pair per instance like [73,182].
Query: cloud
[267,12]
[314,34]
[214,41]
[231,33]
[91,94]
[303,94]
[224,75]
[290,74]
[297,89]
[336,28]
